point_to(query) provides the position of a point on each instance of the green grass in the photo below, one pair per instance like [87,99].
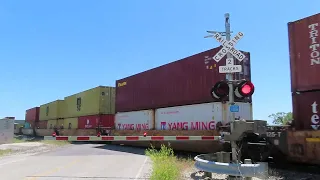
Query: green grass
[165,165]
[15,140]
[4,152]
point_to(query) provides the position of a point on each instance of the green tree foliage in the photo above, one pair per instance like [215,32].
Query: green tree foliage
[281,118]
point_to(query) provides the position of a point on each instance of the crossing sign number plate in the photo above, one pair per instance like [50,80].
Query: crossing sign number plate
[230,69]
[234,108]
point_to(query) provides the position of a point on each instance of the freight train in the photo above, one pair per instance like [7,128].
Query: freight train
[175,99]
[299,140]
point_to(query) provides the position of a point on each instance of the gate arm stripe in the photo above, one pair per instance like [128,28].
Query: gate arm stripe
[133,138]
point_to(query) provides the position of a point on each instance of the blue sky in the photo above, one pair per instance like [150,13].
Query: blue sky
[49,50]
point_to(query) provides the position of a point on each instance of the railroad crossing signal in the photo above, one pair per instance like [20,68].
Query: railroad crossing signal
[242,90]
[228,47]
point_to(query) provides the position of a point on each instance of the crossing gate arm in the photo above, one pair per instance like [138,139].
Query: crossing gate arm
[133,138]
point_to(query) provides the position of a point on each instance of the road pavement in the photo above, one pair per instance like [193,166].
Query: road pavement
[79,161]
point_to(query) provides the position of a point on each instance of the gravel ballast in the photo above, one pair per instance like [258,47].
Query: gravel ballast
[194,174]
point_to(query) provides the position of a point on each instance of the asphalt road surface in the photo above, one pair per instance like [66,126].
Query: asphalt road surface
[79,161]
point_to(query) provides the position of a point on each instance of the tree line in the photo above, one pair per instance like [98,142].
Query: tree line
[281,118]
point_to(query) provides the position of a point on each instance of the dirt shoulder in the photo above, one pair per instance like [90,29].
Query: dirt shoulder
[25,146]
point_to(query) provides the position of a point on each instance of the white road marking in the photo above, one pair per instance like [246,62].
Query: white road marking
[9,162]
[141,168]
[22,159]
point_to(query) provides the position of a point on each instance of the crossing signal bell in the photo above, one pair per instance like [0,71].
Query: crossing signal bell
[242,90]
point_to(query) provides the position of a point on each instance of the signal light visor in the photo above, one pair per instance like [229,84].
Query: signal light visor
[220,90]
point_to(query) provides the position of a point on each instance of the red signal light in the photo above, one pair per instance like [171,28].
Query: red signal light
[220,90]
[144,134]
[54,134]
[244,89]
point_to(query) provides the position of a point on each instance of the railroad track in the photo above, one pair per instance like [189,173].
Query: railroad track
[313,169]
[297,171]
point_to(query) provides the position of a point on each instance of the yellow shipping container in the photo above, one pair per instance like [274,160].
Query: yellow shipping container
[52,110]
[52,123]
[70,123]
[55,123]
[99,100]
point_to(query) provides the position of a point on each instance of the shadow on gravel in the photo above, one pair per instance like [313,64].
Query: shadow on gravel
[292,175]
[133,149]
[201,176]
[121,148]
[141,150]
[86,142]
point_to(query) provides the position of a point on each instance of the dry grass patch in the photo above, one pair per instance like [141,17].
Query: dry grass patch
[57,143]
[4,152]
[50,142]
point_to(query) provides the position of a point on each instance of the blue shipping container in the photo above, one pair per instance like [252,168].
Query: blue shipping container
[27,125]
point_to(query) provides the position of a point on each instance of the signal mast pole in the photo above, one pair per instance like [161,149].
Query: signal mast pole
[229,77]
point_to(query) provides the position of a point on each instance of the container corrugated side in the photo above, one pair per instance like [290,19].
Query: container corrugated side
[52,124]
[183,82]
[52,110]
[135,120]
[32,114]
[98,100]
[93,121]
[206,116]
[107,120]
[70,123]
[306,110]
[304,47]
[60,123]
[41,124]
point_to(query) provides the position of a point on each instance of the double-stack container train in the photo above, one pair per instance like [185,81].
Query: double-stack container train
[174,99]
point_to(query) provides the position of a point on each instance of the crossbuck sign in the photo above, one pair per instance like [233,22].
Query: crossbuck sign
[228,46]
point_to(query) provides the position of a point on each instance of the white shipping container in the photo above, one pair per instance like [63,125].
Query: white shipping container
[6,131]
[135,120]
[198,117]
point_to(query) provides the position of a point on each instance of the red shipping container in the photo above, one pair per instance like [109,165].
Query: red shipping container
[41,124]
[91,122]
[32,124]
[304,46]
[183,82]
[32,114]
[306,110]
